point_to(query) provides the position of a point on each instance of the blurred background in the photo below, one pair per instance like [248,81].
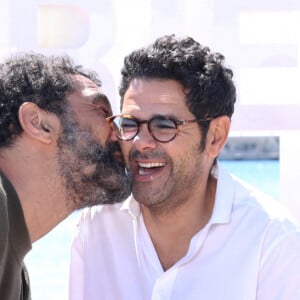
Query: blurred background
[260,40]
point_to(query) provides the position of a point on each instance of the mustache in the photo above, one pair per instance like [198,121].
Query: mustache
[135,154]
[98,154]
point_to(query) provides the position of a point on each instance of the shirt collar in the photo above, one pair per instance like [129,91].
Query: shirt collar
[224,195]
[132,207]
[223,201]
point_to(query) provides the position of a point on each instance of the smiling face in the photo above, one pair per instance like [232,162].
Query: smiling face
[89,160]
[164,174]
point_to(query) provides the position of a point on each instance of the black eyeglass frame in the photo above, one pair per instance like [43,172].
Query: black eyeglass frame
[148,122]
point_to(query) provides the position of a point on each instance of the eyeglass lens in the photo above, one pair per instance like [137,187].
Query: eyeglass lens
[162,130]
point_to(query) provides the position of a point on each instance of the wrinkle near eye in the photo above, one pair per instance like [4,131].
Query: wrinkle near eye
[106,111]
[98,101]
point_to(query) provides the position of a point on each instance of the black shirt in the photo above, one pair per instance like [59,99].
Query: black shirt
[14,245]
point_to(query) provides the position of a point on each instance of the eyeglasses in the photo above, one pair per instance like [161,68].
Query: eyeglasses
[161,129]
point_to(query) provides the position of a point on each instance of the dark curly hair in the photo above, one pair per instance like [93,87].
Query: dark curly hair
[32,77]
[210,89]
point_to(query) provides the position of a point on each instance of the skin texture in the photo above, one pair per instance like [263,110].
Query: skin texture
[208,84]
[88,157]
[59,164]
[177,197]
[161,187]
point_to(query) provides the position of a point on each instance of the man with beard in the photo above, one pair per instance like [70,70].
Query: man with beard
[190,230]
[57,154]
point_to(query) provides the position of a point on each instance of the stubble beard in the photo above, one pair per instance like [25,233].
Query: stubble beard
[173,191]
[90,173]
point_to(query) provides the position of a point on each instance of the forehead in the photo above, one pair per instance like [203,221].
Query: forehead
[86,90]
[148,97]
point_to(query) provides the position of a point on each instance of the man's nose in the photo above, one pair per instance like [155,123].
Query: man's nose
[144,140]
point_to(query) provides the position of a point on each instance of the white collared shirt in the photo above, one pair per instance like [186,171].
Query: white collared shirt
[248,250]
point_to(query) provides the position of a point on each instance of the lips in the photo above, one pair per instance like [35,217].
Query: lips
[115,152]
[148,171]
[117,155]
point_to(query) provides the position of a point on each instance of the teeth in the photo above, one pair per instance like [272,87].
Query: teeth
[151,165]
[142,171]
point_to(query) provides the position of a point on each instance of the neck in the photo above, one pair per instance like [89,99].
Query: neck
[172,231]
[40,192]
[43,209]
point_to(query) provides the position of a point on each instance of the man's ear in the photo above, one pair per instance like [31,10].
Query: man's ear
[37,123]
[217,135]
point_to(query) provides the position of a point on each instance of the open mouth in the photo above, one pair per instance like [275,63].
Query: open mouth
[149,168]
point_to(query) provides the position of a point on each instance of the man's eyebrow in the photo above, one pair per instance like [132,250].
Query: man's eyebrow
[166,116]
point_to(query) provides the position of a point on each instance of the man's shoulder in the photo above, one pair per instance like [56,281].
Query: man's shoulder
[260,210]
[104,220]
[251,204]
[104,214]
[261,202]
[103,210]
[237,201]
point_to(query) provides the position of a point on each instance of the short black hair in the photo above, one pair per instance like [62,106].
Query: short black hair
[33,77]
[209,85]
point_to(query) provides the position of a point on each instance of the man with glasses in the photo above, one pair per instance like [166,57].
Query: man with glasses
[189,230]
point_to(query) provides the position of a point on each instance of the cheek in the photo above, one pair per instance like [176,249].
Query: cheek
[104,133]
[126,148]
